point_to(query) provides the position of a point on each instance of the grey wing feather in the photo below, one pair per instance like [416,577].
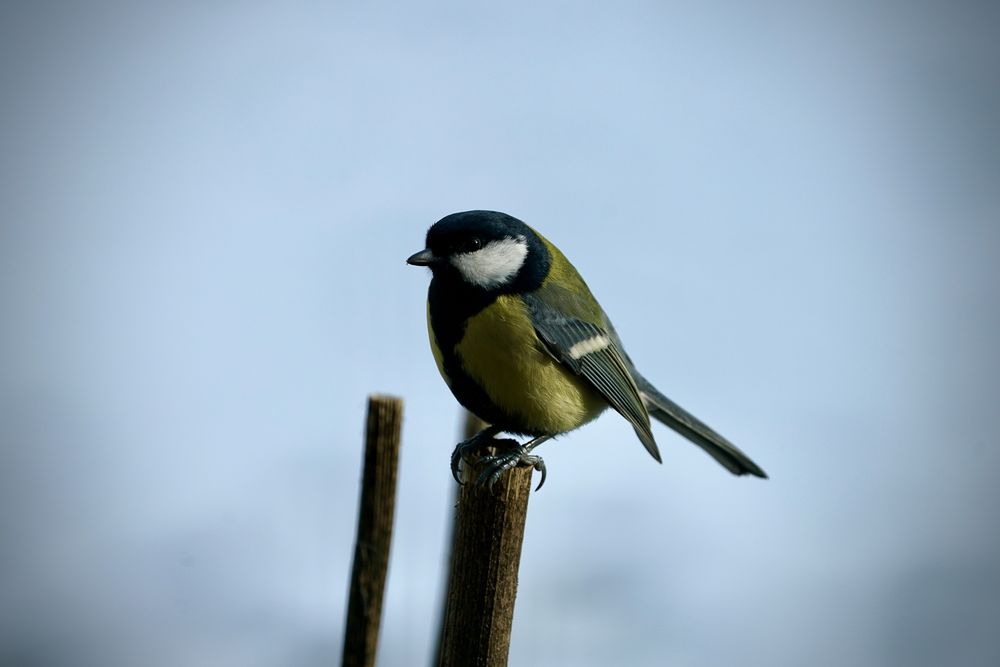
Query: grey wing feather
[606,368]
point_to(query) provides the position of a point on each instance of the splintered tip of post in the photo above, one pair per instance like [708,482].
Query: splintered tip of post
[477,479]
[384,398]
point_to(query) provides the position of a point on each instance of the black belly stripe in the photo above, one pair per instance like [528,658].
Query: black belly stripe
[451,306]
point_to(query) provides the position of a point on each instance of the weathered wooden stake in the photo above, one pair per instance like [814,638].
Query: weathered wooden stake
[482,583]
[371,548]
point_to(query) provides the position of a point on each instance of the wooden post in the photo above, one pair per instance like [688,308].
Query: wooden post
[371,548]
[482,584]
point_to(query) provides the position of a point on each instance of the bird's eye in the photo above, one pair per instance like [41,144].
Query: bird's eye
[474,244]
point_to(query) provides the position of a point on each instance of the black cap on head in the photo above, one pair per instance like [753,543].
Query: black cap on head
[468,231]
[455,232]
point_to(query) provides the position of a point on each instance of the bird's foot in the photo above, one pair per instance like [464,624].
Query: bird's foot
[467,449]
[497,464]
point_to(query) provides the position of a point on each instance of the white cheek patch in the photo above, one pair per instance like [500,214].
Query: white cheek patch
[494,264]
[589,346]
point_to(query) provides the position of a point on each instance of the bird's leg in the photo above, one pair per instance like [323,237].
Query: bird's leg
[497,464]
[480,440]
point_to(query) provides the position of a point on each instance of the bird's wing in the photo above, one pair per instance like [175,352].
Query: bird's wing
[565,324]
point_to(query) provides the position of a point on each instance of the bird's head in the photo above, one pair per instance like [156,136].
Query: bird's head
[485,250]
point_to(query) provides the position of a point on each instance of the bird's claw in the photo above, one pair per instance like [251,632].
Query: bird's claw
[497,464]
[461,449]
[466,450]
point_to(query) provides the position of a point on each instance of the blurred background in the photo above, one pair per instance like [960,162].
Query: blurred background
[790,210]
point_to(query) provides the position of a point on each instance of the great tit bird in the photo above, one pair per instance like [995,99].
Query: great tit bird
[524,345]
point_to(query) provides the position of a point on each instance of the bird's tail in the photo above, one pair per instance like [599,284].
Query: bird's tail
[682,421]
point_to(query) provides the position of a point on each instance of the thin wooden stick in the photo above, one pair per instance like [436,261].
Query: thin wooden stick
[371,548]
[482,585]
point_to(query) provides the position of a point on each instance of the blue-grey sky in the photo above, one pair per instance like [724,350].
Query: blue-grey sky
[790,210]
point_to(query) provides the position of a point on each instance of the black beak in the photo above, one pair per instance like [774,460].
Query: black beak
[422,258]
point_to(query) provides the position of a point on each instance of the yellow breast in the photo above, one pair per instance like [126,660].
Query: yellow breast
[501,352]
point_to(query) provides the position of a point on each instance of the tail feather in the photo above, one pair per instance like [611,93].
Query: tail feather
[682,421]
